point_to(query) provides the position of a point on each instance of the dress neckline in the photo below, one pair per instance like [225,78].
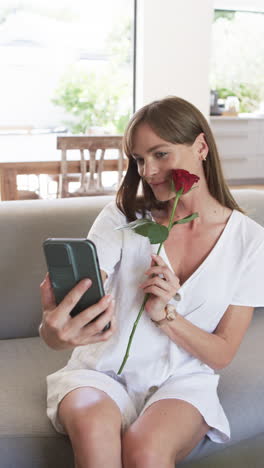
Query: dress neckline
[211,254]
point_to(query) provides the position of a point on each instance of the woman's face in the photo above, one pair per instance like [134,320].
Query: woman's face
[156,158]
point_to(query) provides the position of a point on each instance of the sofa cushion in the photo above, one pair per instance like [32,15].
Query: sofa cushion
[245,454]
[252,202]
[25,363]
[25,431]
[241,391]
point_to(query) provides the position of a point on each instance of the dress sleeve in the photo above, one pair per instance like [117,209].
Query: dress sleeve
[249,289]
[108,241]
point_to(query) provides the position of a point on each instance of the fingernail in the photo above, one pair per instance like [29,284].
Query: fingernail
[44,280]
[87,282]
[109,298]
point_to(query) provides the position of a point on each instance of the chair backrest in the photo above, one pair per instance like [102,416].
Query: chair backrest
[91,185]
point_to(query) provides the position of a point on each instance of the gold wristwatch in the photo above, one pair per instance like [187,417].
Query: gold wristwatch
[170,315]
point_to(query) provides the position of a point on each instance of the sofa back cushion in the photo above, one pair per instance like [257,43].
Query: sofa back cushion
[24,225]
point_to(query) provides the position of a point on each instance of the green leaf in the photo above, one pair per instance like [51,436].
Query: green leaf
[147,228]
[155,232]
[186,219]
[133,224]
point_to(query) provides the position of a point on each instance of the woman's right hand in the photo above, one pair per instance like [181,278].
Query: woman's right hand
[61,331]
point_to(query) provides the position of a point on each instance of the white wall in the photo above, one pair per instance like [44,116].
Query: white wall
[173,50]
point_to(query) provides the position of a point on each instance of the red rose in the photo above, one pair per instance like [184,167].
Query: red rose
[182,178]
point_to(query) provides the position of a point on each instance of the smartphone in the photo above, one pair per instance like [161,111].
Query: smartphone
[69,261]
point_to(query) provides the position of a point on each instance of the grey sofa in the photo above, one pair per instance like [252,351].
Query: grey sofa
[27,439]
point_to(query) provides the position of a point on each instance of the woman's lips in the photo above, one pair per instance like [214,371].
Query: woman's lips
[156,184]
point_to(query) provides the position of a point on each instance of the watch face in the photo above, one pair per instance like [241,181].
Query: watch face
[171,316]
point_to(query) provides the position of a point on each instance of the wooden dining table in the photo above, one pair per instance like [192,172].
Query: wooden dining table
[10,170]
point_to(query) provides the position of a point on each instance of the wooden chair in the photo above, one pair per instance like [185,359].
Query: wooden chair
[91,169]
[27,195]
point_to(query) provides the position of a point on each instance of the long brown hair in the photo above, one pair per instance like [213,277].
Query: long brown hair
[177,121]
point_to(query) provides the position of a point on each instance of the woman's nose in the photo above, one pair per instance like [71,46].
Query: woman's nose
[149,169]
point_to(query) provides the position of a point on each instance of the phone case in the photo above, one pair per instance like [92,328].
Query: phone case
[69,261]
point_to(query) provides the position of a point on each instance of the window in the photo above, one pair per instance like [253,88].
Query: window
[237,65]
[65,67]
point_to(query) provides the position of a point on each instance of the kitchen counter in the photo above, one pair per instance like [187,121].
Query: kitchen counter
[240,141]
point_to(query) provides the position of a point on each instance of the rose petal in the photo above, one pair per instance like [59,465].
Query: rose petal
[183,178]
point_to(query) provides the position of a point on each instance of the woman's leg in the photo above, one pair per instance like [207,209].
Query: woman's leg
[93,422]
[163,435]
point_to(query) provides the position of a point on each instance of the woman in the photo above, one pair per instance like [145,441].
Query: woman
[165,401]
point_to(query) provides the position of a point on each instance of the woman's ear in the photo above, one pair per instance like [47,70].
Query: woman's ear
[201,147]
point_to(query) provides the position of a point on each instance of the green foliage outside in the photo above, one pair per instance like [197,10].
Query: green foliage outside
[93,100]
[100,99]
[89,99]
[224,14]
[249,95]
[237,65]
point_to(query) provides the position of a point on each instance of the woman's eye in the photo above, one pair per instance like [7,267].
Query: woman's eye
[160,154]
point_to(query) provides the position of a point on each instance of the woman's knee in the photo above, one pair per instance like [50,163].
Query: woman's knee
[142,452]
[89,411]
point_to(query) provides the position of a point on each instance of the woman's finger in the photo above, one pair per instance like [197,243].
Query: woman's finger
[165,273]
[158,260]
[157,281]
[162,270]
[62,311]
[158,293]
[96,338]
[93,331]
[87,315]
[46,294]
[100,322]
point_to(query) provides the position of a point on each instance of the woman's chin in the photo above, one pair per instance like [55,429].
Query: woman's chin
[163,197]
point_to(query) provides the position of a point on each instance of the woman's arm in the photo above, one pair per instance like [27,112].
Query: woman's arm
[214,349]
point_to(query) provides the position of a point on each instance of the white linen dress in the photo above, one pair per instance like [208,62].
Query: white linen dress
[157,368]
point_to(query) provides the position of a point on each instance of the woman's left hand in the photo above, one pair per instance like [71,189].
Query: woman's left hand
[160,289]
